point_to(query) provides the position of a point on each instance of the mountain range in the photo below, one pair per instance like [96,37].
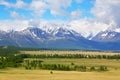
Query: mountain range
[60,38]
[109,35]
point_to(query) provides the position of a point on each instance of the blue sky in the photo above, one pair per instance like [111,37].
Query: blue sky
[84,16]
[23,9]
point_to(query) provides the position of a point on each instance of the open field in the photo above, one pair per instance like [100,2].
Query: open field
[21,74]
[112,64]
[69,52]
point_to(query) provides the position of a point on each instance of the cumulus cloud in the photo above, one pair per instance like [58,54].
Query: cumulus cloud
[14,14]
[107,11]
[3,2]
[88,26]
[106,14]
[34,23]
[18,4]
[76,14]
[58,7]
[16,25]
[39,7]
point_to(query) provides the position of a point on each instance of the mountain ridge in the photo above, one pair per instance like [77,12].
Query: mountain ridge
[109,35]
[61,38]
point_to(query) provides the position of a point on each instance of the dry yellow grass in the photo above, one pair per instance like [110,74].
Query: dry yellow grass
[68,52]
[21,74]
[112,64]
[88,62]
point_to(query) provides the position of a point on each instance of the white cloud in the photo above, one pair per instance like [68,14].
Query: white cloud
[82,26]
[58,7]
[106,14]
[107,11]
[3,2]
[39,7]
[59,3]
[17,16]
[20,4]
[13,25]
[88,26]
[34,23]
[14,14]
[76,14]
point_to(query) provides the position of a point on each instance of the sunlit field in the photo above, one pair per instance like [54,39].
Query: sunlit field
[113,66]
[21,74]
[69,52]
[59,39]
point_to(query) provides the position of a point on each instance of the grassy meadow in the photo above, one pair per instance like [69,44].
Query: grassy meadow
[69,52]
[113,65]
[21,74]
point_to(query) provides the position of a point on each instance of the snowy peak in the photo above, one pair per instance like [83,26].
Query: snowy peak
[48,34]
[53,32]
[53,28]
[110,35]
[37,32]
[113,29]
[117,30]
[37,37]
[57,37]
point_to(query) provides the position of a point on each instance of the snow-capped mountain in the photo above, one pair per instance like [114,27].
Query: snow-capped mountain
[36,37]
[109,35]
[53,37]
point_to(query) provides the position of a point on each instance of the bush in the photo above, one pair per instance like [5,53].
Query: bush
[102,68]
[92,68]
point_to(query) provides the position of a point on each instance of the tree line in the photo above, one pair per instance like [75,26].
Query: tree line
[20,60]
[37,64]
[10,57]
[7,50]
[11,61]
[78,56]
